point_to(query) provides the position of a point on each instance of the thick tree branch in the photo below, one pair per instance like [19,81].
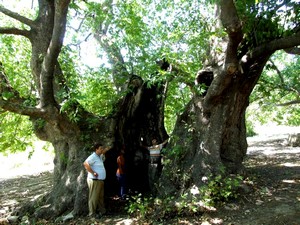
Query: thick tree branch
[272,46]
[11,101]
[15,31]
[294,102]
[17,107]
[48,68]
[233,27]
[119,71]
[16,16]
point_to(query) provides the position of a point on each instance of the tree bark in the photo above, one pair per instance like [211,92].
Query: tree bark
[209,135]
[140,116]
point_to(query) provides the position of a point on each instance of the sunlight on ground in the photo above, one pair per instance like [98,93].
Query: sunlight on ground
[120,221]
[212,221]
[273,151]
[272,131]
[15,165]
[289,181]
[290,164]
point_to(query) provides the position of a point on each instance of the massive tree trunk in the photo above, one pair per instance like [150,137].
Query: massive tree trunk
[210,136]
[139,114]
[72,145]
[210,133]
[71,140]
[140,117]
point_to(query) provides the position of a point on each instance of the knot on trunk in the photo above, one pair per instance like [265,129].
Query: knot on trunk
[204,78]
[232,68]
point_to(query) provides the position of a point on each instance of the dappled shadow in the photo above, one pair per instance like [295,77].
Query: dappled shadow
[273,167]
[278,178]
[276,167]
[21,190]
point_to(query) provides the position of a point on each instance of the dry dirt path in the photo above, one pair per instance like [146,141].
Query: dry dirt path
[273,165]
[275,168]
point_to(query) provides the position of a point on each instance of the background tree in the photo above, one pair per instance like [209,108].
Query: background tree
[276,95]
[124,98]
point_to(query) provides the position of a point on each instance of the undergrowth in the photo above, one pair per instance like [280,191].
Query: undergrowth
[217,191]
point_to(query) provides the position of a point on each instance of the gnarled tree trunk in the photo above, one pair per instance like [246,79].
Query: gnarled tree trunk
[210,133]
[141,116]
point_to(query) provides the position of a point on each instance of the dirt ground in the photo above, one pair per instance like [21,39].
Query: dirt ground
[273,165]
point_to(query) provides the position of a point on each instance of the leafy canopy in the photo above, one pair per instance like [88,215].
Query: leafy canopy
[144,32]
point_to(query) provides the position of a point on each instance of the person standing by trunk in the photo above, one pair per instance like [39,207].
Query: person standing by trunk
[155,164]
[94,165]
[121,174]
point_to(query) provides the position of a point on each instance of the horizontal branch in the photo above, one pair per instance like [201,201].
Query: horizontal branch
[14,31]
[272,46]
[16,16]
[294,102]
[17,106]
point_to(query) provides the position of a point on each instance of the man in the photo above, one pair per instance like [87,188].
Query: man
[155,166]
[95,179]
[155,151]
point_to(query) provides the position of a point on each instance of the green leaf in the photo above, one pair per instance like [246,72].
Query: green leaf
[7,95]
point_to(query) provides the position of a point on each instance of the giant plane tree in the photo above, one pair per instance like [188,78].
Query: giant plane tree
[204,57]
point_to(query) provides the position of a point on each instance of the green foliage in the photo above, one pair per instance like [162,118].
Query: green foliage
[188,205]
[15,133]
[249,127]
[7,95]
[221,189]
[140,30]
[218,190]
[178,96]
[139,205]
[72,109]
[163,209]
[98,95]
[279,84]
[266,20]
[143,32]
[177,152]
[15,60]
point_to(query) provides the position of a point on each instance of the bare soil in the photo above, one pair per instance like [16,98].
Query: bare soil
[273,166]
